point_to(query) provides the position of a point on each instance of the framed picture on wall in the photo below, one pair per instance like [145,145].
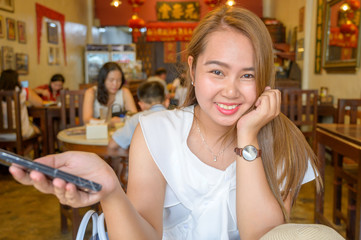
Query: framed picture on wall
[51,56]
[10,29]
[22,63]
[22,32]
[1,27]
[52,32]
[8,58]
[7,5]
[57,56]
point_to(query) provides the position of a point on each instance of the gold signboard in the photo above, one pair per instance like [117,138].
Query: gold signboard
[178,11]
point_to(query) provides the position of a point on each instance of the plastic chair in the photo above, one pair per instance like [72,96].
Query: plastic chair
[300,106]
[10,102]
[345,169]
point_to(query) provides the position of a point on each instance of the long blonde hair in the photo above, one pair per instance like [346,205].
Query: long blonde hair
[286,152]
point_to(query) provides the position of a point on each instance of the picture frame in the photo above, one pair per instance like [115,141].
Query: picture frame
[21,31]
[52,29]
[10,29]
[2,32]
[22,63]
[341,39]
[8,58]
[7,5]
[51,56]
[57,56]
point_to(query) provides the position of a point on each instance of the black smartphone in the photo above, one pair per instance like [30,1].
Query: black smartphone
[7,158]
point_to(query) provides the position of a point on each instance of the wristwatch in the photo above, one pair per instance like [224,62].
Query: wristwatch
[248,153]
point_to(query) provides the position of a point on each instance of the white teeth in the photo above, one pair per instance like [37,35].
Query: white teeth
[226,106]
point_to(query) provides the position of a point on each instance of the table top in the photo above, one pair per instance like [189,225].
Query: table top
[77,135]
[350,132]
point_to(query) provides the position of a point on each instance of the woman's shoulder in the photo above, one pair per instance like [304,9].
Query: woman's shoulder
[174,116]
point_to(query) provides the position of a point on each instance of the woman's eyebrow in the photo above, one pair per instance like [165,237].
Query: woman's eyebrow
[226,65]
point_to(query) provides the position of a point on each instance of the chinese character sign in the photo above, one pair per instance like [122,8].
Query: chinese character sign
[178,11]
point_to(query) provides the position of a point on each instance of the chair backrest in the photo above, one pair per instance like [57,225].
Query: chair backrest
[71,108]
[300,106]
[11,121]
[349,111]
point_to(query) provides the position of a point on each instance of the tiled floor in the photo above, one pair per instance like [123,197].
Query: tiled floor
[28,214]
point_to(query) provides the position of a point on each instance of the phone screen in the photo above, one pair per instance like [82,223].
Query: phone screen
[7,158]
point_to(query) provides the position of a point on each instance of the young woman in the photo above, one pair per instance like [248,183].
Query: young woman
[227,166]
[9,80]
[51,91]
[109,93]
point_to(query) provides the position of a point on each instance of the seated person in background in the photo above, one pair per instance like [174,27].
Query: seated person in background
[9,80]
[50,92]
[160,76]
[181,90]
[151,99]
[110,91]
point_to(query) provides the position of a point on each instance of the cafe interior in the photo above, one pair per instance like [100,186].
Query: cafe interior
[317,51]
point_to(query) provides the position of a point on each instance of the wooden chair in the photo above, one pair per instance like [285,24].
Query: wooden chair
[10,100]
[345,169]
[71,116]
[71,108]
[300,106]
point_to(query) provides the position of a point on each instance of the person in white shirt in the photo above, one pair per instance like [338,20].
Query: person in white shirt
[229,165]
[9,80]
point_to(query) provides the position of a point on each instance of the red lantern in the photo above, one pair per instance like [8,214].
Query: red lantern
[136,23]
[348,28]
[354,4]
[136,4]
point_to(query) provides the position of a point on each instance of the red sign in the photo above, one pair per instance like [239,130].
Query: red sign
[169,32]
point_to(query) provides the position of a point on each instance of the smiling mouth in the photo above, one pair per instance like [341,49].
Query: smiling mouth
[227,107]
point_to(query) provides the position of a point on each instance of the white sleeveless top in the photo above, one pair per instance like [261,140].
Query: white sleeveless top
[97,105]
[200,200]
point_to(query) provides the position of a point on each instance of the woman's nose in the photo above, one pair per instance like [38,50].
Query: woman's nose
[230,89]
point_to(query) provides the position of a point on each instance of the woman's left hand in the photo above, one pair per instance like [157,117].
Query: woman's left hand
[267,107]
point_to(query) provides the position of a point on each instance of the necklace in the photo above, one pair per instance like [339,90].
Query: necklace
[215,156]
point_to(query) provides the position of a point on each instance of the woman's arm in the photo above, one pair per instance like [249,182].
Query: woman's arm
[34,98]
[146,190]
[257,209]
[42,92]
[88,105]
[138,216]
[129,101]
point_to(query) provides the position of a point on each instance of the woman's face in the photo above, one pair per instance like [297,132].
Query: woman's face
[56,86]
[224,77]
[113,81]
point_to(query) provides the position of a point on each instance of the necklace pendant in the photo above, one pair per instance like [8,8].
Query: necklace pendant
[215,158]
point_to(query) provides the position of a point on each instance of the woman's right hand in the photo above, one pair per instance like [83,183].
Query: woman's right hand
[82,164]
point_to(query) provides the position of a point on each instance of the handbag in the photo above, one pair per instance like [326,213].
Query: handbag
[98,231]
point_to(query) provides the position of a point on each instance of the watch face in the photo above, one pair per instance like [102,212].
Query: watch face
[249,153]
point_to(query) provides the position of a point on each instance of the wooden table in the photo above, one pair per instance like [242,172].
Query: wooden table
[79,142]
[49,118]
[344,139]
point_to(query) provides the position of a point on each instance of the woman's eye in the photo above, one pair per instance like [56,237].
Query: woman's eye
[248,76]
[217,72]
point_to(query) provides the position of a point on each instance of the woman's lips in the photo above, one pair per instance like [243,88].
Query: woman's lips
[227,109]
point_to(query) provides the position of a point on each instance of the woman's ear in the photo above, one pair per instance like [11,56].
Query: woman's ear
[190,66]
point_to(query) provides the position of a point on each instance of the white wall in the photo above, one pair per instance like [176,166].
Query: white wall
[76,21]
[340,85]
